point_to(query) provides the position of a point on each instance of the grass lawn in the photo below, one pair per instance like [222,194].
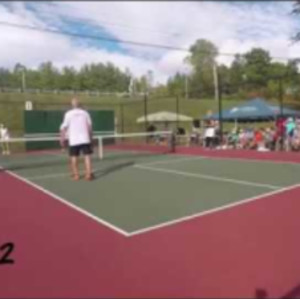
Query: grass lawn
[126,110]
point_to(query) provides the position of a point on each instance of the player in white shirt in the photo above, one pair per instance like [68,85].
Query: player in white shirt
[77,124]
[209,136]
[4,138]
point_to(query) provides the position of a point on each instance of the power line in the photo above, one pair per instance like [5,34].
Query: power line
[114,40]
[94,37]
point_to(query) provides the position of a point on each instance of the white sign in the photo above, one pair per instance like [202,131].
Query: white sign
[28,105]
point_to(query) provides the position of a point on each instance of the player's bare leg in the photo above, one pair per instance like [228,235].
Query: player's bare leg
[3,148]
[88,167]
[74,168]
[7,148]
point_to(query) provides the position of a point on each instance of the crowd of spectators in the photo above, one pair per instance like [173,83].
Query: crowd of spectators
[283,135]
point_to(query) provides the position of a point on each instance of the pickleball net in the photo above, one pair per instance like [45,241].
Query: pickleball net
[46,152]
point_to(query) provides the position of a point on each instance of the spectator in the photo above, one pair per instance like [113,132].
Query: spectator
[195,135]
[209,136]
[280,130]
[258,138]
[4,138]
[151,129]
[290,126]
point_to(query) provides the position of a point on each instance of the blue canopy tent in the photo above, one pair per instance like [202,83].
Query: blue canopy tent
[253,110]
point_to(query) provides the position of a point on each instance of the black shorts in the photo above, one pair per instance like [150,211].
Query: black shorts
[86,149]
[291,133]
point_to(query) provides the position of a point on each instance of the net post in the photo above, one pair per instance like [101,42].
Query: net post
[100,148]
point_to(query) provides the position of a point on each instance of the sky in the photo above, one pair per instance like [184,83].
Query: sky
[234,27]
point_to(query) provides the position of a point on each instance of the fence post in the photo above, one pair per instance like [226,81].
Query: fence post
[177,112]
[146,111]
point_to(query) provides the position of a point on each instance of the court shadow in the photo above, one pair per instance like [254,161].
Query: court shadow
[100,173]
[294,293]
[261,294]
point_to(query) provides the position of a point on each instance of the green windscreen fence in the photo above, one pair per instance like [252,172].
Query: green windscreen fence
[41,123]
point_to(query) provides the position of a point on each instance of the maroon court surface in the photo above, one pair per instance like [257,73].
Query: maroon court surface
[244,251]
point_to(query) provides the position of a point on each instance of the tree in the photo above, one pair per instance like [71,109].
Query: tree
[67,78]
[225,76]
[202,60]
[5,77]
[176,85]
[296,11]
[19,75]
[237,74]
[141,84]
[257,68]
[100,77]
[48,76]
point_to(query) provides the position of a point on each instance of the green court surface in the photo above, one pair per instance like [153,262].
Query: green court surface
[145,192]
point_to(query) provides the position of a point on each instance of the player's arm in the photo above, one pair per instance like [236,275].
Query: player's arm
[90,127]
[63,131]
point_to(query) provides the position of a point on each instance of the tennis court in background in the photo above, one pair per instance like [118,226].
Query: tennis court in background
[152,223]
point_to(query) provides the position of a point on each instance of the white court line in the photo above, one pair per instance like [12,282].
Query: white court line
[201,156]
[48,176]
[211,211]
[167,161]
[67,203]
[207,177]
[52,176]
[172,222]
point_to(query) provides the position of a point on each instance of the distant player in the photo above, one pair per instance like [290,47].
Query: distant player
[4,138]
[77,124]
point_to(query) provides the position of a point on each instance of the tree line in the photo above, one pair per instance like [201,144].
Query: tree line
[253,73]
[100,76]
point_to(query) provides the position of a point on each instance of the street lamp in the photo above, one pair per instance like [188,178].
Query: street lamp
[22,68]
[280,96]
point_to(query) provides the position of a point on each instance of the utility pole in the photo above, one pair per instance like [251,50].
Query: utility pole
[216,80]
[23,79]
[122,118]
[186,87]
[281,106]
[280,96]
[177,112]
[219,94]
[146,110]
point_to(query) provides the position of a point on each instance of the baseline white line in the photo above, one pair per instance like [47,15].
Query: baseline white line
[211,211]
[67,203]
[207,177]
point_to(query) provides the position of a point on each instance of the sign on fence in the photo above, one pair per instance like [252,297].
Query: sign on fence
[28,105]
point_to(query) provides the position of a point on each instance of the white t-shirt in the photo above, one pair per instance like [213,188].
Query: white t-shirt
[77,122]
[4,135]
[210,132]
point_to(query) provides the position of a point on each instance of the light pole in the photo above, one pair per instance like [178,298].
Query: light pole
[21,68]
[216,80]
[177,111]
[280,96]
[219,97]
[186,87]
[23,79]
[146,110]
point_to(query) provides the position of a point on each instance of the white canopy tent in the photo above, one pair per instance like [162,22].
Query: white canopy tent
[163,117]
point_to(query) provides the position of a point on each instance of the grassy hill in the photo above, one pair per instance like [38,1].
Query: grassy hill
[126,110]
